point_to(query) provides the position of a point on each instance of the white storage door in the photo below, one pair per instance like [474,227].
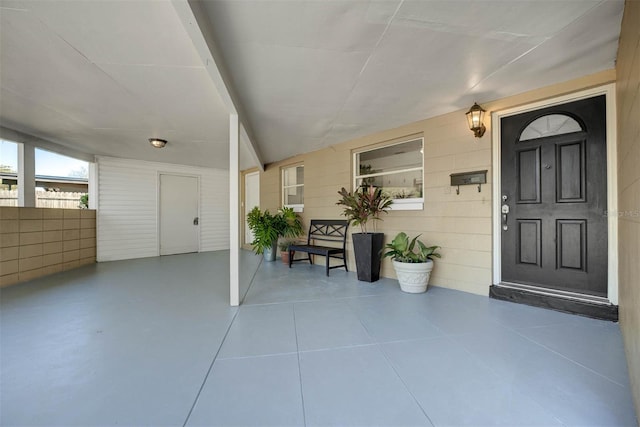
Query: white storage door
[179,214]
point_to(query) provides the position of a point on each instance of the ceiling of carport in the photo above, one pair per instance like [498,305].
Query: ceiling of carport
[96,77]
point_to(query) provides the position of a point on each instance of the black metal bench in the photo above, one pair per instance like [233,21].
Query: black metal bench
[333,232]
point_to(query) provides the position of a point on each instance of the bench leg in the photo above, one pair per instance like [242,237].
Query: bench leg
[327,265]
[290,257]
[309,255]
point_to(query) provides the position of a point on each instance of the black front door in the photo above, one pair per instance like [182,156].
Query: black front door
[554,197]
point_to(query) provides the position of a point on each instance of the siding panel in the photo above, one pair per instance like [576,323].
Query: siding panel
[628,91]
[128,207]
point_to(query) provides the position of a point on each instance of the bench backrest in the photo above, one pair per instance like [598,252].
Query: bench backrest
[328,230]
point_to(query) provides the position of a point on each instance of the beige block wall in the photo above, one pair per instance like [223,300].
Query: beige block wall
[460,224]
[628,99]
[35,242]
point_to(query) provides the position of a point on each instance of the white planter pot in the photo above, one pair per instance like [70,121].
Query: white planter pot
[413,277]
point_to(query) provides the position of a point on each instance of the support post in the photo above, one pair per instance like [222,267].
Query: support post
[93,185]
[234,210]
[26,176]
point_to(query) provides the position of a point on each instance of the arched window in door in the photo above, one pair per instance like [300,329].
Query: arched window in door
[550,125]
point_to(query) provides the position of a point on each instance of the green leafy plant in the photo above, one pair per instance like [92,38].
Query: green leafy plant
[402,250]
[365,204]
[267,228]
[264,227]
[84,201]
[284,245]
[291,226]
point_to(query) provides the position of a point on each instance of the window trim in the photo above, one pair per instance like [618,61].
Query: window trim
[297,207]
[412,203]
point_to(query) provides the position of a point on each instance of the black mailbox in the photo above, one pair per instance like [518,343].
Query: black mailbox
[468,178]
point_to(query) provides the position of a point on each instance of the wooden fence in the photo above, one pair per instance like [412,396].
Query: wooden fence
[44,199]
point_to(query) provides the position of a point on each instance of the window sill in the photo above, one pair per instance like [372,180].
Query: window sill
[414,204]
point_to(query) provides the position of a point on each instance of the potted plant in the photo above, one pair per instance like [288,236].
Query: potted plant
[264,227]
[413,265]
[364,205]
[284,250]
[291,224]
[267,228]
[291,228]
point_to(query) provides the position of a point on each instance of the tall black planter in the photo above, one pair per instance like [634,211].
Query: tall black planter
[367,248]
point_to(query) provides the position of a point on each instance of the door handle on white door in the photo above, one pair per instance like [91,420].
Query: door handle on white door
[196,221]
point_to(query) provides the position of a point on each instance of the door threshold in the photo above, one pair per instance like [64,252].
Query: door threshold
[568,302]
[557,293]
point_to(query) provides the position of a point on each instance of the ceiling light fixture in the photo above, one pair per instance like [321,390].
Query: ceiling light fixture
[157,142]
[475,115]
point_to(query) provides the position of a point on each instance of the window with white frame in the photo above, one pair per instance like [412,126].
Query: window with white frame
[8,173]
[61,181]
[396,168]
[293,187]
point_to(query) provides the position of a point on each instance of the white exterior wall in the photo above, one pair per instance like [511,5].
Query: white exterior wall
[127,218]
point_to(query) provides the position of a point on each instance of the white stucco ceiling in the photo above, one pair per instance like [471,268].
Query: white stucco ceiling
[103,76]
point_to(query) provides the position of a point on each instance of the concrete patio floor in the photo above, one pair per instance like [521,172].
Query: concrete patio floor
[153,342]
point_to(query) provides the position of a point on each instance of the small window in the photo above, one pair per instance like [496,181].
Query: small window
[293,187]
[397,169]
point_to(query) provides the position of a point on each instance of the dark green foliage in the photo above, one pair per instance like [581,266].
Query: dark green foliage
[402,250]
[84,201]
[292,225]
[267,228]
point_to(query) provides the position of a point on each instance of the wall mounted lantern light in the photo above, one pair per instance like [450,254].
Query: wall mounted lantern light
[157,142]
[475,115]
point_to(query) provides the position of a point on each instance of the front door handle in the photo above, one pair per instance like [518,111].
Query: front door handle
[196,221]
[505,212]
